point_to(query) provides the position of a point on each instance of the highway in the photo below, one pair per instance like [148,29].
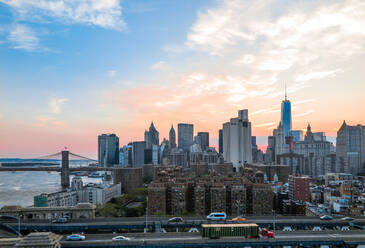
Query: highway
[133,224]
[254,219]
[194,239]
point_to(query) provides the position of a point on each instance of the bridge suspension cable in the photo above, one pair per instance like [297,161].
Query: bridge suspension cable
[82,157]
[58,155]
[51,156]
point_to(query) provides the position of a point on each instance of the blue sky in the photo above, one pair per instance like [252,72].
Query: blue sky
[72,69]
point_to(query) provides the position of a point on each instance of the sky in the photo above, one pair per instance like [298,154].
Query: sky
[73,69]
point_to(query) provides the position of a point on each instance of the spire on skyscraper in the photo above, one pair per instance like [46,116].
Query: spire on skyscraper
[286,97]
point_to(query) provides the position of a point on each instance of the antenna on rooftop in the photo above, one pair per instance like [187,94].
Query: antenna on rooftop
[285,92]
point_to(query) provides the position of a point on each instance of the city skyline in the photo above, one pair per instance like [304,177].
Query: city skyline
[115,67]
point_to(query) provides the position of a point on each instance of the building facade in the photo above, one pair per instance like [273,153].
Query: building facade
[108,150]
[350,144]
[151,137]
[237,146]
[204,139]
[129,178]
[185,135]
[286,119]
[220,141]
[138,153]
[172,137]
[299,188]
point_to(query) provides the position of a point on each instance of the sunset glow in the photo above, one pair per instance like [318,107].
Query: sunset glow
[116,66]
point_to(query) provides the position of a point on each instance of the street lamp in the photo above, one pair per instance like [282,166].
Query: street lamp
[20,216]
[146,228]
[238,204]
[273,213]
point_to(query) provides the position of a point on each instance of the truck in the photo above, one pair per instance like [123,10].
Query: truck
[234,230]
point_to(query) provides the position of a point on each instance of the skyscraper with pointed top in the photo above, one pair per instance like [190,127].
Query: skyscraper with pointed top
[172,137]
[286,119]
[151,137]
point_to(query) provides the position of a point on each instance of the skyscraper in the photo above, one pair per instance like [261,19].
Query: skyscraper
[350,144]
[185,135]
[151,137]
[297,135]
[286,116]
[108,150]
[237,146]
[220,141]
[280,145]
[138,153]
[172,137]
[204,139]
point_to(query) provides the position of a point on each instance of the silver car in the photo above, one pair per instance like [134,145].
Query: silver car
[75,237]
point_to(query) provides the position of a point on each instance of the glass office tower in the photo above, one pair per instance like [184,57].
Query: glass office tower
[286,117]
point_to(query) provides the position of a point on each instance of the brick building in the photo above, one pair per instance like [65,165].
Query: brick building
[299,188]
[176,191]
[129,178]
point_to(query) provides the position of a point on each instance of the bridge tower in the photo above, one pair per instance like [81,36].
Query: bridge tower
[65,170]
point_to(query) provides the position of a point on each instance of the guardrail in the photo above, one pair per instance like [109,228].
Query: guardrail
[84,227]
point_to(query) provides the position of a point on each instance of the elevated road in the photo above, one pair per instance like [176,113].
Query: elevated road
[342,239]
[139,224]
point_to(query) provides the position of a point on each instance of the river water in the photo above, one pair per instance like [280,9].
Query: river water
[19,188]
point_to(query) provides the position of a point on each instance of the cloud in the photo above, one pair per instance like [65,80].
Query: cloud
[302,101]
[220,27]
[24,38]
[105,14]
[265,124]
[280,38]
[304,113]
[111,73]
[317,75]
[55,104]
[265,111]
[237,54]
[160,65]
[44,121]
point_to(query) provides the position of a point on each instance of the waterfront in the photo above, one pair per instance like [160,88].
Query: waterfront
[19,188]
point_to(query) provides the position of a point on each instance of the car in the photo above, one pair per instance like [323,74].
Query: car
[75,237]
[119,238]
[347,218]
[287,229]
[345,228]
[317,228]
[60,220]
[176,219]
[239,219]
[326,217]
[217,216]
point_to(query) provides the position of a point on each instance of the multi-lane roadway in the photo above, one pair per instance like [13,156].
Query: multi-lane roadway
[195,240]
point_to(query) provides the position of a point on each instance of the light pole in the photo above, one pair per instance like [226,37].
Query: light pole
[238,204]
[146,228]
[273,212]
[19,234]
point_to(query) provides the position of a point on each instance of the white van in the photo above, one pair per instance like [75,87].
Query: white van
[217,216]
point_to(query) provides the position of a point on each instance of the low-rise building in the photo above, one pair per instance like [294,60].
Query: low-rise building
[90,193]
[80,211]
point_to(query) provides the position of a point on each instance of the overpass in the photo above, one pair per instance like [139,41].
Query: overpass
[138,224]
[174,240]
